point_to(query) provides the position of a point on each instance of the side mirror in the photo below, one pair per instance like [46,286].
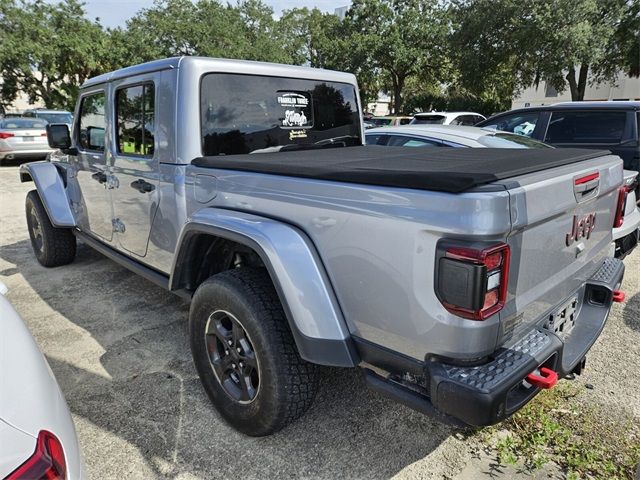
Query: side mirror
[58,136]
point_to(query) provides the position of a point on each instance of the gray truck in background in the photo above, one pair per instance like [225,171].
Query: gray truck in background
[461,281]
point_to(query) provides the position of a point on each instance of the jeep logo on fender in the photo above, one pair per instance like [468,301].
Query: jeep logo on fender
[581,228]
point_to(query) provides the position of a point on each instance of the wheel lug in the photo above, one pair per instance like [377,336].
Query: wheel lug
[226,352]
[230,342]
[241,365]
[233,365]
[238,350]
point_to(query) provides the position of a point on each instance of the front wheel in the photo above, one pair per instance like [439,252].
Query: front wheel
[245,353]
[52,246]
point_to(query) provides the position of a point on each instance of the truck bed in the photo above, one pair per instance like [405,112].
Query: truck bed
[452,170]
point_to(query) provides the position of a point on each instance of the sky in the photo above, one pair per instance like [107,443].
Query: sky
[114,13]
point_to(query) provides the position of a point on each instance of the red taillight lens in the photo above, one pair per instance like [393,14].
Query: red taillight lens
[622,197]
[46,463]
[43,134]
[472,283]
[4,135]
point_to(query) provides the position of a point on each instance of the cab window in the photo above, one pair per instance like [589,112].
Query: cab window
[582,127]
[521,123]
[91,125]
[135,120]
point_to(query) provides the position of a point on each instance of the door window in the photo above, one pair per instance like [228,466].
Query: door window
[376,139]
[92,122]
[400,141]
[521,123]
[586,127]
[135,120]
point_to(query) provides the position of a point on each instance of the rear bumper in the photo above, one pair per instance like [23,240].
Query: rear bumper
[488,393]
[25,154]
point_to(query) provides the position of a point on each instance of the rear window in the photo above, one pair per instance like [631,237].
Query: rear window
[428,119]
[52,117]
[380,122]
[21,123]
[586,127]
[250,113]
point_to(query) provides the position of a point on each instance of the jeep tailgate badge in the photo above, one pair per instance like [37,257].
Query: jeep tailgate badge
[581,228]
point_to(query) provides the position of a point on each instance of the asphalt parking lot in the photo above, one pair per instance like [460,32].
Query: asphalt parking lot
[118,347]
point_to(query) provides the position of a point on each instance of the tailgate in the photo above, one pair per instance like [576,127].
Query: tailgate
[562,220]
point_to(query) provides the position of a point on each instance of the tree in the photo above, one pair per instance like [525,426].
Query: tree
[625,48]
[399,39]
[561,42]
[47,50]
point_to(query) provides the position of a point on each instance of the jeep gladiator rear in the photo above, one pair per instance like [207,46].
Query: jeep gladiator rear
[462,281]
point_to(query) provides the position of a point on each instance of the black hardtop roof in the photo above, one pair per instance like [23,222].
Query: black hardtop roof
[611,105]
[451,170]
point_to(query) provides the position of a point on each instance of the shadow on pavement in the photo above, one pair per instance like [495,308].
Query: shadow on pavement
[151,396]
[631,313]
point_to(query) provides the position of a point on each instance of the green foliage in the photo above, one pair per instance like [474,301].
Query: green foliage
[523,43]
[557,427]
[398,39]
[47,50]
[457,54]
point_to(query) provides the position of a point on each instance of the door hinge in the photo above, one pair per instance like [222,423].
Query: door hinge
[117,226]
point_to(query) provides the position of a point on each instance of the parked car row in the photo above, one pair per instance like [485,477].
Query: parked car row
[431,118]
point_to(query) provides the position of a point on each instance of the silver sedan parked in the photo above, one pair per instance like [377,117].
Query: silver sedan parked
[23,138]
[448,136]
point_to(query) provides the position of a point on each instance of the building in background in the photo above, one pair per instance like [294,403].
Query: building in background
[624,88]
[341,12]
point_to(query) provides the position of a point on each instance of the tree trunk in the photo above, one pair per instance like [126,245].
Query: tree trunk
[579,86]
[582,81]
[398,86]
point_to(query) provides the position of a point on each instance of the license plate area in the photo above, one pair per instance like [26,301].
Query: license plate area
[562,321]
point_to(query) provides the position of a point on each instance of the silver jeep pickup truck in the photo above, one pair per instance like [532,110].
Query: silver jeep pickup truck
[461,281]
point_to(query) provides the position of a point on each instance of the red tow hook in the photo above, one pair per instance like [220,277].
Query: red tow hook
[547,378]
[618,296]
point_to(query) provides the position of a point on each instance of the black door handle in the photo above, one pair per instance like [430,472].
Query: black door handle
[142,186]
[100,177]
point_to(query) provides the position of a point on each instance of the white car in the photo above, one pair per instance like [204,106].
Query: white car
[447,118]
[37,436]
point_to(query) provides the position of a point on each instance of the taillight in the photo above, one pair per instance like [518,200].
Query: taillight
[472,283]
[622,197]
[4,135]
[46,463]
[43,134]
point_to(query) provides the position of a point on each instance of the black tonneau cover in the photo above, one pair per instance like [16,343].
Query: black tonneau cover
[443,169]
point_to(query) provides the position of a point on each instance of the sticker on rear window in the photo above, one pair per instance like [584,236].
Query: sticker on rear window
[296,110]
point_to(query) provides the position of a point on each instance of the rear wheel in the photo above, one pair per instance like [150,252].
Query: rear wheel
[245,353]
[52,246]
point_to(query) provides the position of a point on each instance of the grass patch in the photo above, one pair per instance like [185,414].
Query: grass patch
[583,440]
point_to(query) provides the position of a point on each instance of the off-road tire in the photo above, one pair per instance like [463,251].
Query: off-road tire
[287,383]
[52,246]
